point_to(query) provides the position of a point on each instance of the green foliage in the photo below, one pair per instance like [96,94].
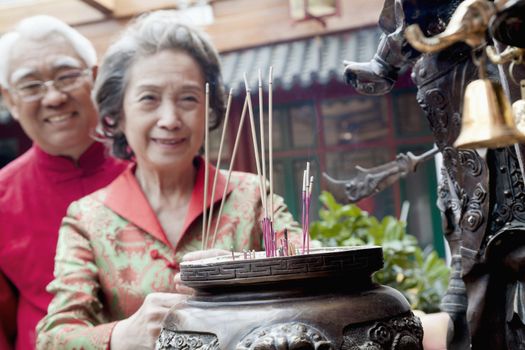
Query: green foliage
[422,276]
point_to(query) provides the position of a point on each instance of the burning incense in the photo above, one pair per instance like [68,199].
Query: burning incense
[306,199]
[261,129]
[217,167]
[268,236]
[270,138]
[206,159]
[286,251]
[309,202]
[254,140]
[270,154]
[303,210]
[232,161]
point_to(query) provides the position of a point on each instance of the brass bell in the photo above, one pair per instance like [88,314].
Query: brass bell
[488,121]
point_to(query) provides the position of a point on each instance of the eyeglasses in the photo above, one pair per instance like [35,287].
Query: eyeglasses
[36,89]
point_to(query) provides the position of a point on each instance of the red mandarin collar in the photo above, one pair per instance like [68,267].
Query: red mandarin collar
[126,198]
[90,160]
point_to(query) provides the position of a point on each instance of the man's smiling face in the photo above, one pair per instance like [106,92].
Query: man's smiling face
[59,122]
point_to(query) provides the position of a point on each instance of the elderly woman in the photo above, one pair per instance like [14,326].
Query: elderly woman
[122,243]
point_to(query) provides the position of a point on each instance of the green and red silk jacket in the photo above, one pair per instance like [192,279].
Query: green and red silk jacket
[112,252]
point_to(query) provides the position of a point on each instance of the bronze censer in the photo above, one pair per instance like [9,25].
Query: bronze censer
[321,301]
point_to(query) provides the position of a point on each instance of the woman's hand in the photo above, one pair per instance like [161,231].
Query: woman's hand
[436,328]
[196,255]
[141,330]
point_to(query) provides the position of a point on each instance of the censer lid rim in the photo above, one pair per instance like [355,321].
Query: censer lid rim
[321,264]
[260,255]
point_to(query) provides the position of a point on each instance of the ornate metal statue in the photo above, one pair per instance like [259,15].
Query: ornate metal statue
[481,196]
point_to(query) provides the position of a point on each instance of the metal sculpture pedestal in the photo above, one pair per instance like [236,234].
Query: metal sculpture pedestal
[320,301]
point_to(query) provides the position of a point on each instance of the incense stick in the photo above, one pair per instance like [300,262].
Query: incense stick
[232,160]
[308,203]
[303,210]
[217,167]
[306,192]
[206,155]
[254,140]
[269,237]
[270,138]
[263,151]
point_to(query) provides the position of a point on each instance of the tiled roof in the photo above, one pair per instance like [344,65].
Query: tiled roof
[302,62]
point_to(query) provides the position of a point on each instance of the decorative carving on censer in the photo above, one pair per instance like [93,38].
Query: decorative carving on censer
[399,333]
[310,266]
[292,336]
[170,340]
[324,300]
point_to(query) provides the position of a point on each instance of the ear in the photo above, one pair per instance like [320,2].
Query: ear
[10,103]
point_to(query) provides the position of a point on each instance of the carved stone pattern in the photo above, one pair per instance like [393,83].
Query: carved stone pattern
[451,207]
[450,160]
[177,340]
[432,75]
[471,161]
[456,121]
[501,215]
[333,263]
[473,216]
[292,336]
[516,177]
[435,107]
[400,333]
[450,156]
[445,198]
[510,193]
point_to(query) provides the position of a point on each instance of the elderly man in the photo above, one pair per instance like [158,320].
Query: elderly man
[46,73]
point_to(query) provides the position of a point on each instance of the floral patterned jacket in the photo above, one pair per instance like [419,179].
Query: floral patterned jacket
[112,252]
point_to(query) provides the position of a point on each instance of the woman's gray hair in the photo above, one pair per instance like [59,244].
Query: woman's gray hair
[147,35]
[39,28]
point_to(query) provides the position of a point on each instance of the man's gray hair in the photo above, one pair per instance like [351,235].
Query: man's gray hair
[38,28]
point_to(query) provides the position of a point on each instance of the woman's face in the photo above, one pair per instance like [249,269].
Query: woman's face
[164,105]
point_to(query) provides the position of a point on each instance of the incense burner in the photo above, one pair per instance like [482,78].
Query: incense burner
[321,301]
